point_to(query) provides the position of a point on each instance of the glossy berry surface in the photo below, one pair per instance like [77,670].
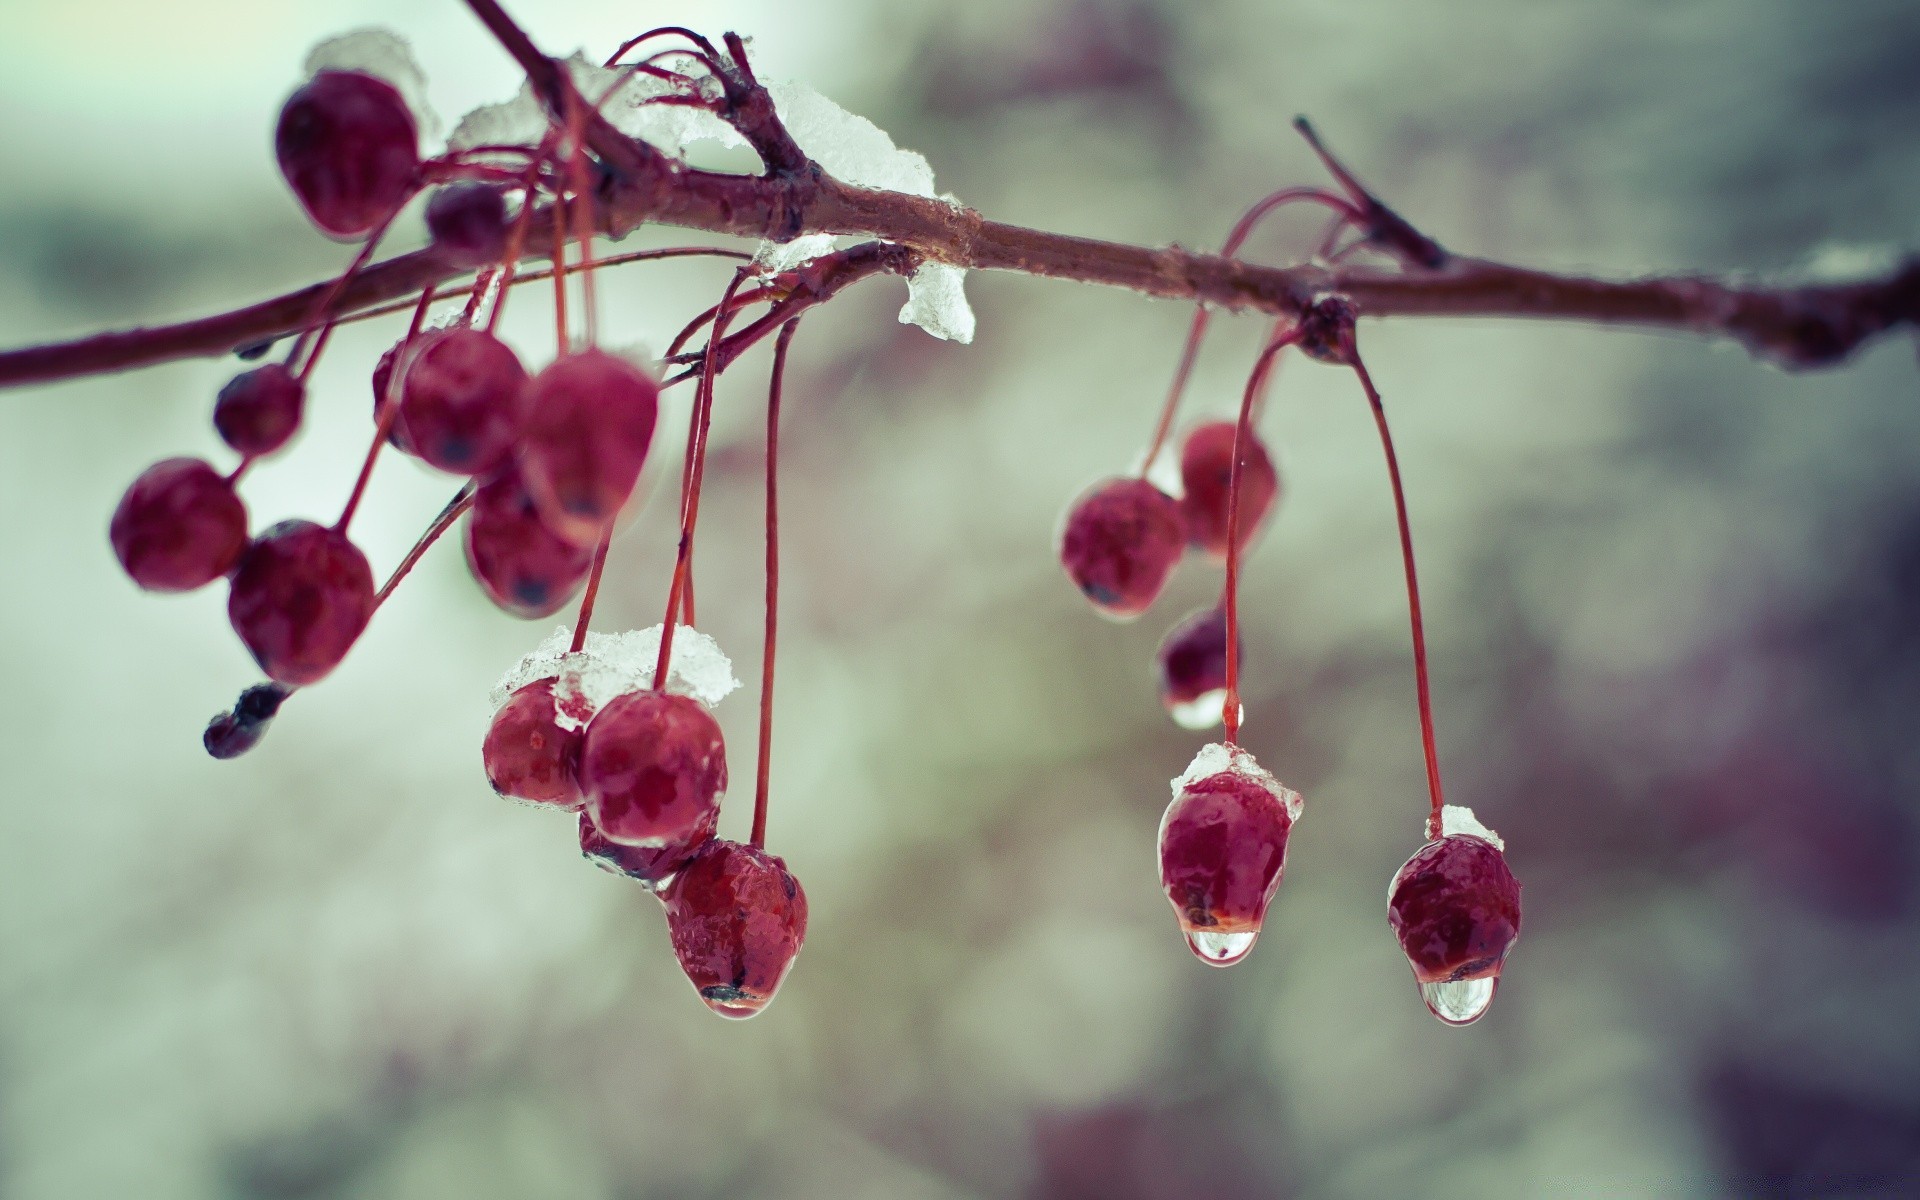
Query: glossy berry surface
[178,527]
[524,567]
[737,917]
[653,768]
[590,419]
[382,381]
[347,146]
[651,866]
[1192,668]
[1223,848]
[1206,475]
[1455,907]
[468,223]
[1121,541]
[301,596]
[461,401]
[260,409]
[527,755]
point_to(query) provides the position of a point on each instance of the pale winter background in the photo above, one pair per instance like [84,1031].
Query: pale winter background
[1673,600]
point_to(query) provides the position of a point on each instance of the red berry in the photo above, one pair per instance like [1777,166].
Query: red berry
[382,378]
[1192,662]
[737,918]
[1223,846]
[523,566]
[1456,909]
[235,732]
[528,755]
[590,419]
[1122,539]
[468,223]
[461,401]
[653,768]
[1206,473]
[652,866]
[180,526]
[300,598]
[259,410]
[348,148]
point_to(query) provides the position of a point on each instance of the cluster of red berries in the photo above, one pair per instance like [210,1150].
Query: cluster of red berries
[551,459]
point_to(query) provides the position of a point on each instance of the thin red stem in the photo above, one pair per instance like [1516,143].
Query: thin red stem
[582,208]
[1413,600]
[664,31]
[389,411]
[324,307]
[461,502]
[1230,593]
[1202,315]
[591,594]
[773,582]
[703,416]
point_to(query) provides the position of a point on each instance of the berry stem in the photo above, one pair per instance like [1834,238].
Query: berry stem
[759,838]
[1413,599]
[389,411]
[461,502]
[592,592]
[1202,315]
[1230,592]
[581,207]
[690,515]
[321,310]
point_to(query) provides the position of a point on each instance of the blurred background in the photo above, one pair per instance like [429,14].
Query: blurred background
[1674,605]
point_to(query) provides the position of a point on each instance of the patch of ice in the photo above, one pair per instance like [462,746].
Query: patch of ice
[771,258]
[1218,757]
[522,121]
[937,302]
[613,664]
[1456,818]
[1845,262]
[386,55]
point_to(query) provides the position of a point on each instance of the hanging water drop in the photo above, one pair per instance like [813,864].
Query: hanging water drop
[1460,1001]
[1217,949]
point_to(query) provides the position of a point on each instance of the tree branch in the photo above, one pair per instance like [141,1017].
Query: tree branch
[1793,326]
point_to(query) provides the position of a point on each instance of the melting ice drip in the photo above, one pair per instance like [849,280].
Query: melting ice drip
[1218,949]
[1459,1002]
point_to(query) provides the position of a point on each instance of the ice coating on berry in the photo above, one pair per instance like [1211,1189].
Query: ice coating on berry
[653,768]
[738,918]
[258,410]
[589,422]
[1223,849]
[462,400]
[1455,906]
[1206,474]
[1121,540]
[179,526]
[613,664]
[1457,818]
[384,54]
[301,596]
[524,567]
[468,223]
[527,755]
[347,146]
[653,867]
[1192,668]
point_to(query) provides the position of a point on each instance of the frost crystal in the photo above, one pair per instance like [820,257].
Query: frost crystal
[1219,757]
[1456,818]
[854,150]
[613,664]
[386,55]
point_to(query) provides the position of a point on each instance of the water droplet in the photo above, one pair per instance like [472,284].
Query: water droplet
[1218,949]
[1460,1002]
[733,1003]
[1201,712]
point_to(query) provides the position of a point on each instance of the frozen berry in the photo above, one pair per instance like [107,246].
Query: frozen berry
[651,866]
[382,379]
[239,730]
[1192,663]
[527,754]
[468,223]
[260,409]
[737,918]
[653,768]
[1223,846]
[348,148]
[180,526]
[590,419]
[461,401]
[523,566]
[300,598]
[1456,909]
[1206,474]
[1121,540]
